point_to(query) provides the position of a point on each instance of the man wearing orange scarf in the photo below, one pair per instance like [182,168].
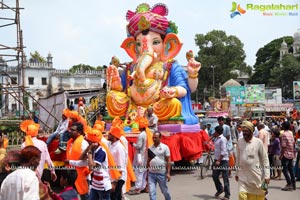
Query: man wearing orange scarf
[120,157]
[98,163]
[31,129]
[103,139]
[75,147]
[117,122]
[75,117]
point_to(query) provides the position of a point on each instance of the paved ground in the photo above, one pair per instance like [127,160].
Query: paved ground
[186,185]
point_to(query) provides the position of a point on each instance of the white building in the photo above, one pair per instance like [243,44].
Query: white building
[42,80]
[295,47]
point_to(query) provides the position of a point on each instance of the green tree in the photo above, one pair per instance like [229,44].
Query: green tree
[81,67]
[284,76]
[99,67]
[267,60]
[36,57]
[223,52]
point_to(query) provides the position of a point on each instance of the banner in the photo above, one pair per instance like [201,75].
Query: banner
[296,90]
[255,93]
[273,95]
[220,107]
[236,94]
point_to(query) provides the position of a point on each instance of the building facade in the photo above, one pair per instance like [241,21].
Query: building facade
[295,47]
[40,81]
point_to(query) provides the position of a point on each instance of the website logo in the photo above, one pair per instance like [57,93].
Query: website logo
[270,9]
[236,10]
[274,9]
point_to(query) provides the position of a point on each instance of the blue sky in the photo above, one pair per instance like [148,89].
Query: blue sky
[91,31]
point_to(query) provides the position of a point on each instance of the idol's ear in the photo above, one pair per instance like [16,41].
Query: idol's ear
[129,45]
[172,46]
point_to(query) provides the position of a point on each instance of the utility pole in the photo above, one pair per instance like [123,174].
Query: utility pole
[213,68]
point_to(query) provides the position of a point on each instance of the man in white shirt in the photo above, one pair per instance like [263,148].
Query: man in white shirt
[227,134]
[152,119]
[159,165]
[221,164]
[23,184]
[140,158]
[119,154]
[61,130]
[253,165]
[30,139]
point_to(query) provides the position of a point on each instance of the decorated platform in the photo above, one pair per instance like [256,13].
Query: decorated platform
[182,145]
[184,141]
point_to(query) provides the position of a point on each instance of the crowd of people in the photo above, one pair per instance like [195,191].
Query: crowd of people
[96,166]
[262,151]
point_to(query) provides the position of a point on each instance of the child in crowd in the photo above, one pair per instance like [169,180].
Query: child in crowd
[67,181]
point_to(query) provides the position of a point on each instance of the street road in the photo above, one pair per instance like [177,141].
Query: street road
[187,185]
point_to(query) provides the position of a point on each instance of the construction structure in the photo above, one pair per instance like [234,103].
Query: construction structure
[27,84]
[11,53]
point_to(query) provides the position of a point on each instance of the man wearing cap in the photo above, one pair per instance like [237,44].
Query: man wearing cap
[61,130]
[117,122]
[31,129]
[253,171]
[99,128]
[140,158]
[98,163]
[75,117]
[119,154]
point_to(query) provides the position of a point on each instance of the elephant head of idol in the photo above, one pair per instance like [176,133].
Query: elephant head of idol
[151,37]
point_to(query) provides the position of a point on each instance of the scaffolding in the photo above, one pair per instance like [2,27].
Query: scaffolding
[13,61]
[11,54]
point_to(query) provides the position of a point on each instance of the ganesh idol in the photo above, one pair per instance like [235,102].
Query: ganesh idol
[154,77]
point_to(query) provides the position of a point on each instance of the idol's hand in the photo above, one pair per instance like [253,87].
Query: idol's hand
[193,66]
[168,92]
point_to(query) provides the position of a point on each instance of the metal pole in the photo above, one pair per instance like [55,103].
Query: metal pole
[27,93]
[213,68]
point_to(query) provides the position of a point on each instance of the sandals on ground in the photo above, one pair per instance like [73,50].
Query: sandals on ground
[134,192]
